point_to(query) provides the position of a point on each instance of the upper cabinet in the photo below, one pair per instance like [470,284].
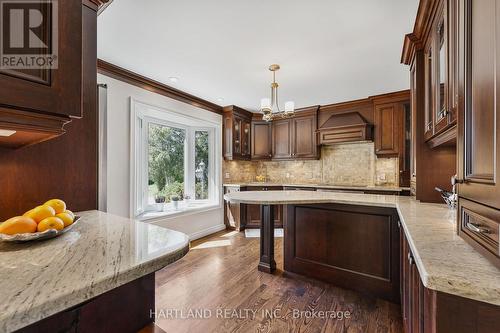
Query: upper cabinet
[38,102]
[392,120]
[388,119]
[282,139]
[247,136]
[440,76]
[237,133]
[430,52]
[261,139]
[296,137]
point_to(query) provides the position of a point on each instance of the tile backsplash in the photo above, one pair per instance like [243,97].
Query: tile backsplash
[353,164]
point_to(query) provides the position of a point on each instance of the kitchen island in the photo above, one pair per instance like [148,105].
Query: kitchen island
[98,277]
[387,246]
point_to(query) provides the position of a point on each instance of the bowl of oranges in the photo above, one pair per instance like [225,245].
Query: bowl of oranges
[42,222]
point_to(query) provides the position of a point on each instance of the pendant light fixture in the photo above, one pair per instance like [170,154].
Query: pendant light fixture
[270,106]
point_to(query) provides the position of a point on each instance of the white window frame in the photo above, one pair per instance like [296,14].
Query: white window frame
[143,114]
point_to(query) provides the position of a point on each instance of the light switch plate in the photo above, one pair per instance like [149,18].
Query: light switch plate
[226,175]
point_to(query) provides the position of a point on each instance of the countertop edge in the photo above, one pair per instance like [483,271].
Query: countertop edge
[82,295]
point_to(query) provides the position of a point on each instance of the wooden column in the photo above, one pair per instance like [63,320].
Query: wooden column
[267,263]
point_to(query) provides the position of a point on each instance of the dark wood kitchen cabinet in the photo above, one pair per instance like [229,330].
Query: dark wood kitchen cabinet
[323,241]
[431,51]
[412,289]
[282,139]
[296,137]
[441,95]
[425,310]
[479,127]
[304,136]
[392,120]
[38,103]
[261,140]
[388,119]
[237,133]
[253,212]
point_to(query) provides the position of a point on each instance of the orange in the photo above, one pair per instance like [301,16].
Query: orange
[41,212]
[51,222]
[70,213]
[66,218]
[18,225]
[58,205]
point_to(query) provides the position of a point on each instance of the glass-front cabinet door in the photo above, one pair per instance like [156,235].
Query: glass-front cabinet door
[429,93]
[441,70]
[237,136]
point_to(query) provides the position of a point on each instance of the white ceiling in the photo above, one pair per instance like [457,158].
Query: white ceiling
[329,50]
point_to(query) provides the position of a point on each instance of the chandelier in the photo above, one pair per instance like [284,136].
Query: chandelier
[270,106]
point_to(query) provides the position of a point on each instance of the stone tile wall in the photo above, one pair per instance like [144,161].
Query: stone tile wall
[353,164]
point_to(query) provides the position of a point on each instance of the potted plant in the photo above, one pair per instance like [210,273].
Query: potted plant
[159,202]
[187,200]
[175,202]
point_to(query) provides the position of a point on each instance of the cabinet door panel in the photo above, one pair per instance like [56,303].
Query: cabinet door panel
[304,137]
[480,124]
[388,124]
[253,217]
[54,91]
[261,140]
[282,148]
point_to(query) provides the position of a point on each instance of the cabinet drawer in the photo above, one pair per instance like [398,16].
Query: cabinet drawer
[479,225]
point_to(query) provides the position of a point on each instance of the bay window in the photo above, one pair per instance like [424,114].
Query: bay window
[174,168]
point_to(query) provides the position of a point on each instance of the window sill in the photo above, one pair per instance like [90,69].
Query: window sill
[151,216]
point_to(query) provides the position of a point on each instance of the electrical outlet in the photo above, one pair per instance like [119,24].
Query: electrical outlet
[287,175]
[227,176]
[382,176]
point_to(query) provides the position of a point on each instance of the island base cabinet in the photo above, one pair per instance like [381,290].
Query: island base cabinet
[353,247]
[127,308]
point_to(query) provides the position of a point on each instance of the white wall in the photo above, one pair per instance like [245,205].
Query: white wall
[118,158]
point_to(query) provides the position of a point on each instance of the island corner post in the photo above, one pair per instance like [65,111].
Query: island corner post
[267,263]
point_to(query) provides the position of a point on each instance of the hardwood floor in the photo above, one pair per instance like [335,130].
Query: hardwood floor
[220,274]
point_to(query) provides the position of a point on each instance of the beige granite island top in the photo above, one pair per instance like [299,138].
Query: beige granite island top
[445,262]
[102,252]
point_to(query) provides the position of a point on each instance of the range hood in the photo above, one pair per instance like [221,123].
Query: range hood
[345,127]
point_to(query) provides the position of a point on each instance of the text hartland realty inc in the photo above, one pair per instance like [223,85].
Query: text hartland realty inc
[228,313]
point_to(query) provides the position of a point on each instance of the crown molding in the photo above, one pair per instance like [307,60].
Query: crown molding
[414,41]
[143,82]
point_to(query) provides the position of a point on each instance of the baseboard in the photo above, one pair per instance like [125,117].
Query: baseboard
[206,232]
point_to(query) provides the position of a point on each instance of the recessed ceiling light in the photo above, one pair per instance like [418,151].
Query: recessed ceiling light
[4,132]
[173,79]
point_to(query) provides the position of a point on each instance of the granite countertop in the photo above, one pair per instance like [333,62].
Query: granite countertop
[446,263]
[325,186]
[102,252]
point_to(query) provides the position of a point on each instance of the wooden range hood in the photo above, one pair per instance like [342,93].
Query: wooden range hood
[345,127]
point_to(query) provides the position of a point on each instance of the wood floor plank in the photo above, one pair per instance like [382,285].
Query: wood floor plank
[220,274]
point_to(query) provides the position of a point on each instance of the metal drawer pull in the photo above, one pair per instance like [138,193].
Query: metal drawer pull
[477,228]
[410,258]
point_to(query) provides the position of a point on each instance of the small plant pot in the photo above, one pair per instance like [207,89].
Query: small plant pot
[175,204]
[159,206]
